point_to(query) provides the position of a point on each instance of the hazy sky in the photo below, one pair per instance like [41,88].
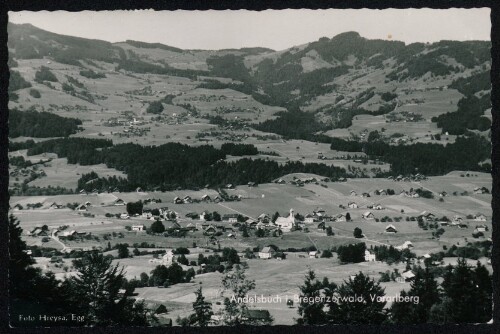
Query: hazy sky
[275,29]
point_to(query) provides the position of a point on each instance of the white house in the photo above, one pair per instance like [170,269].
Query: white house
[286,223]
[124,216]
[313,254]
[377,207]
[168,258]
[138,228]
[266,253]
[206,198]
[309,218]
[369,257]
[230,218]
[352,205]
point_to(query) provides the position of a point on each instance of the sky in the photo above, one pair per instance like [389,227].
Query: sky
[275,29]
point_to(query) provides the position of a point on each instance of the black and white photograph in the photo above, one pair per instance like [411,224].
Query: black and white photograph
[283,167]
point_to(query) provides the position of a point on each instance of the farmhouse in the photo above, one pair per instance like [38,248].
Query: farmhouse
[408,275]
[482,190]
[266,253]
[368,215]
[206,198]
[18,207]
[251,184]
[138,228]
[427,216]
[39,232]
[187,199]
[365,195]
[369,257]
[319,212]
[210,230]
[309,218]
[382,192]
[124,216]
[230,218]
[280,181]
[119,201]
[481,228]
[443,194]
[353,193]
[263,217]
[377,207]
[352,205]
[287,223]
[391,229]
[218,199]
[313,254]
[405,245]
[229,186]
[81,207]
[71,233]
[480,217]
[340,218]
[55,206]
[321,226]
[168,258]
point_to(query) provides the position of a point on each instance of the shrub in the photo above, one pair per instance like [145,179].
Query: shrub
[35,93]
[44,74]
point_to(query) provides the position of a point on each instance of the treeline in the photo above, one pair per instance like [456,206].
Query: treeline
[463,296]
[91,74]
[96,293]
[175,165]
[31,123]
[45,74]
[16,82]
[391,254]
[473,84]
[239,149]
[77,150]
[143,67]
[144,45]
[353,253]
[469,116]
[293,125]
[16,146]
[430,159]
[216,175]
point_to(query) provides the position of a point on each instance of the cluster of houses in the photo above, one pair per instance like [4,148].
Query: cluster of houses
[410,178]
[205,198]
[59,232]
[481,190]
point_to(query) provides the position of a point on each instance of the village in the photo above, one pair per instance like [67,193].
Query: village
[246,219]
